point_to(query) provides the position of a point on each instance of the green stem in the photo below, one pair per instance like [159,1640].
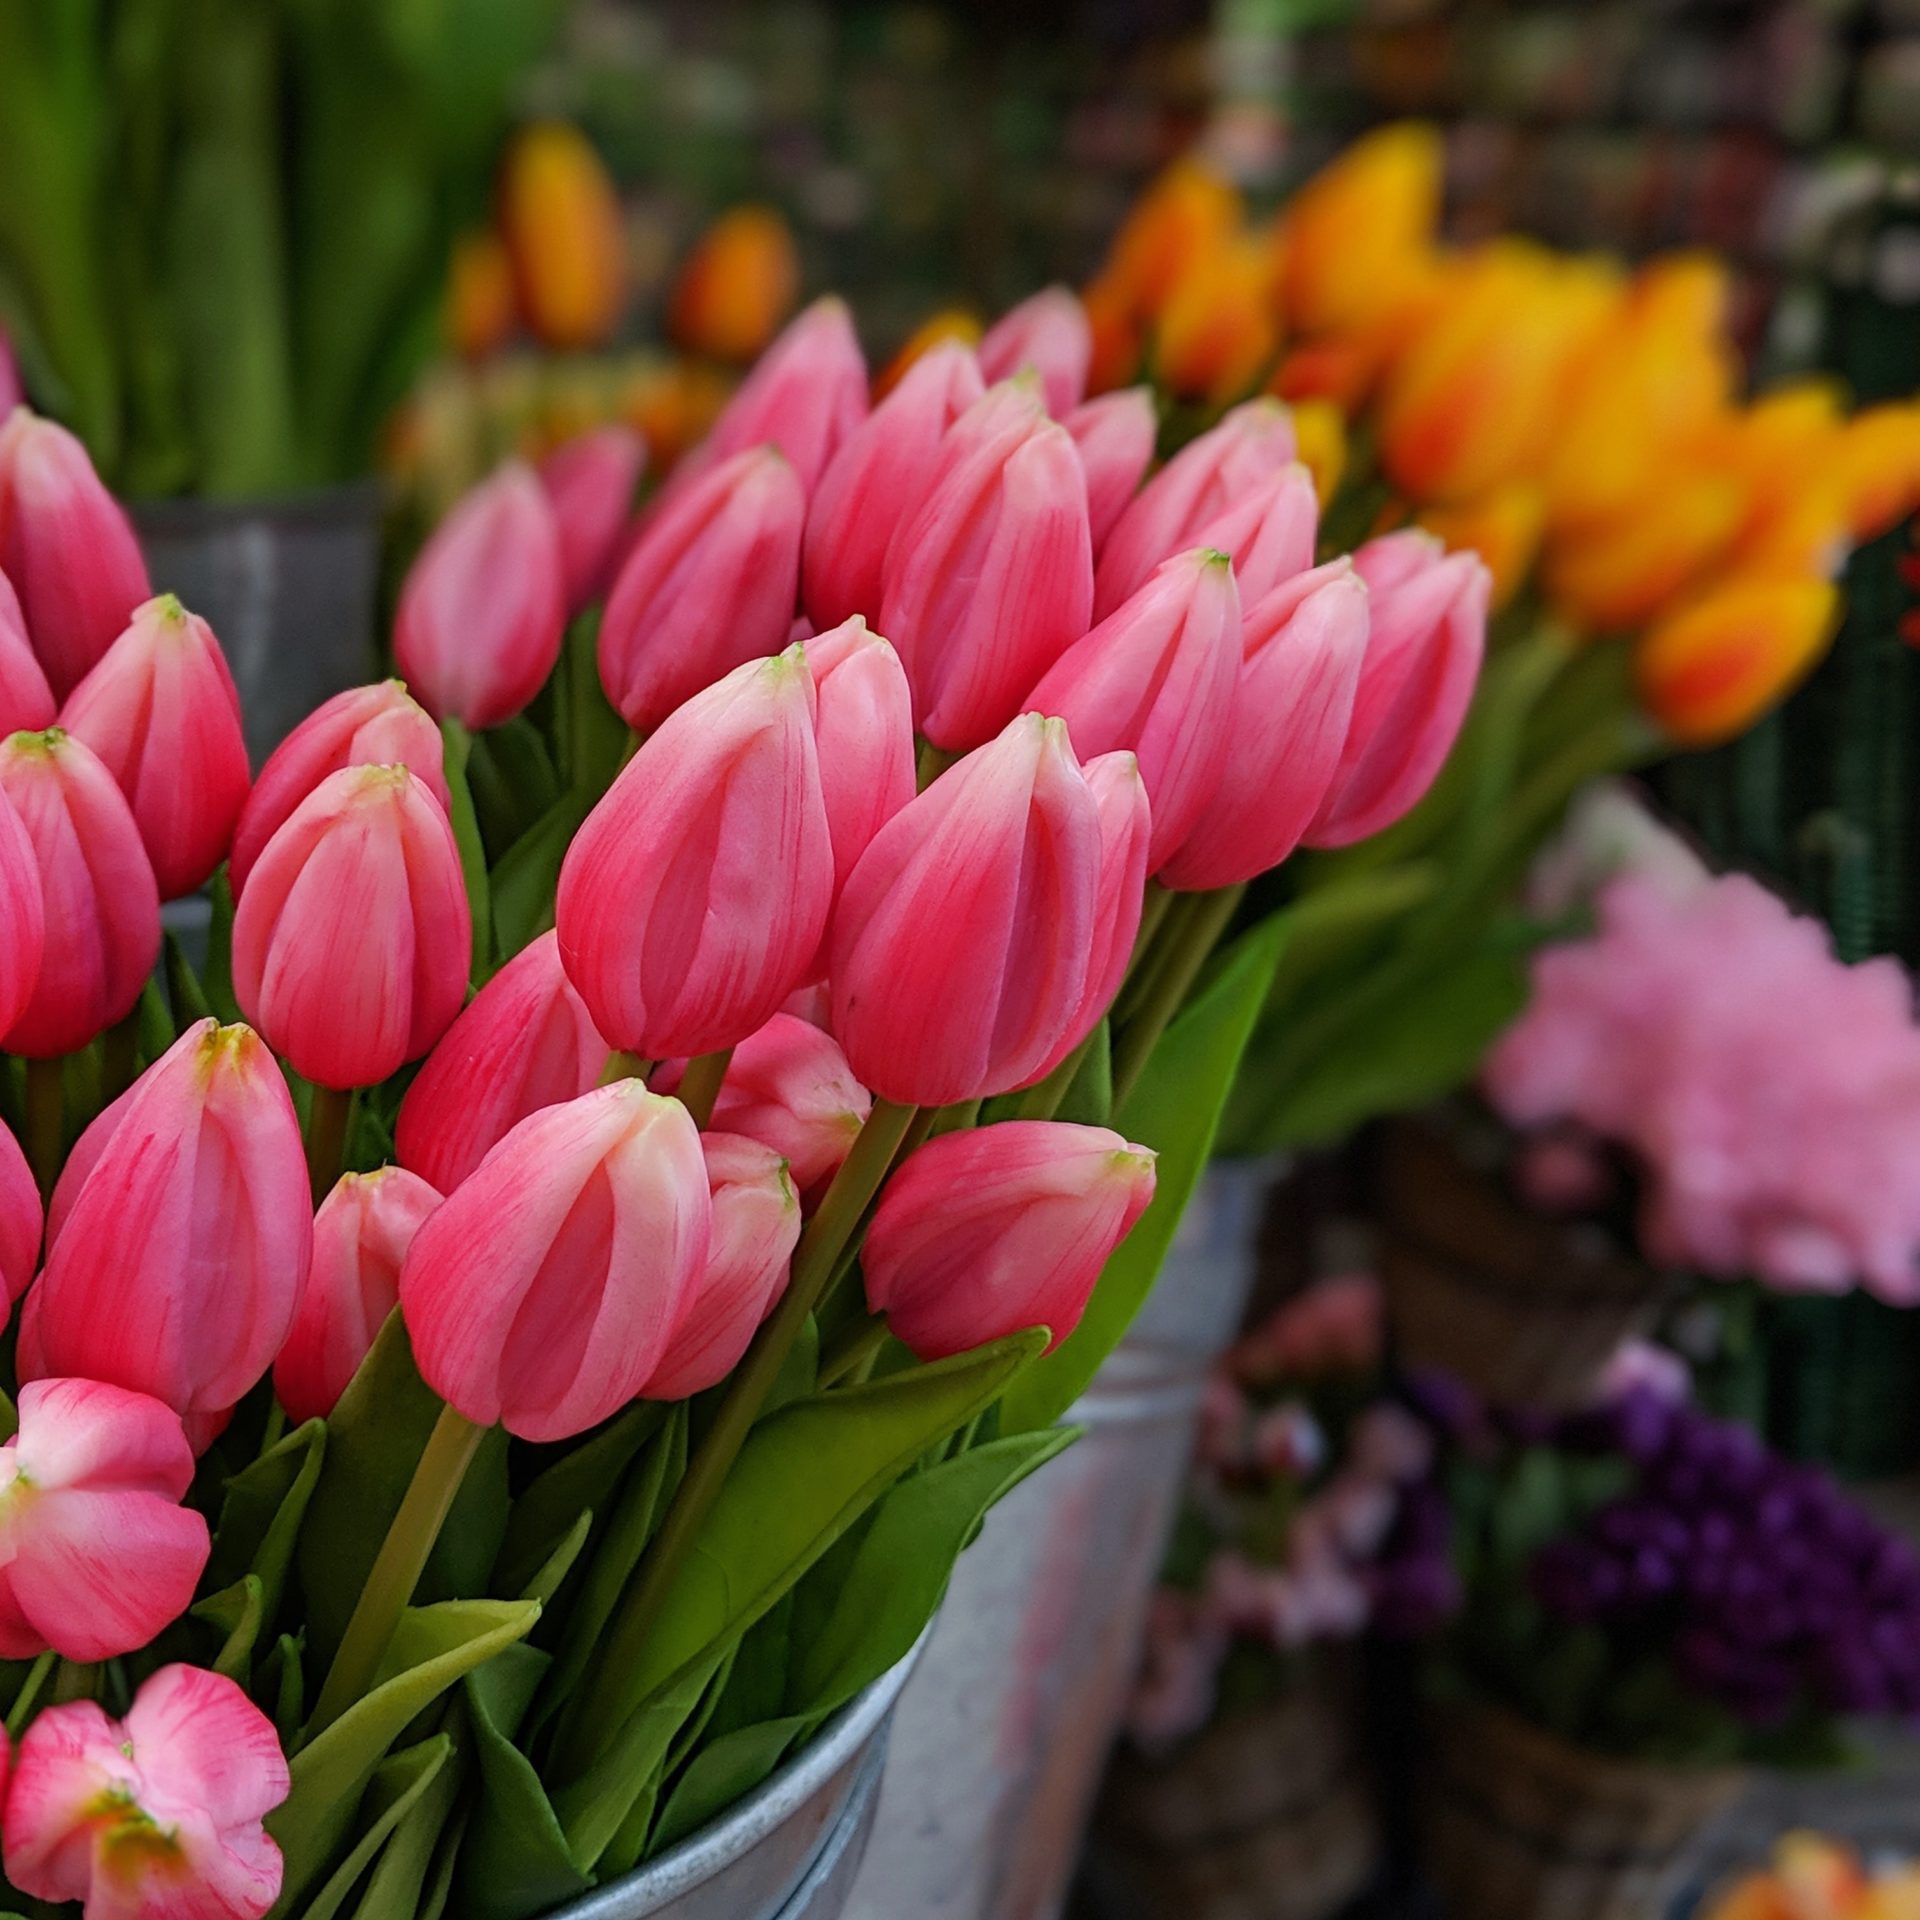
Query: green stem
[1041,1101]
[23,1702]
[700,1084]
[1193,937]
[119,1057]
[46,1121]
[624,1066]
[853,1354]
[597,1713]
[933,762]
[1159,923]
[328,1117]
[396,1572]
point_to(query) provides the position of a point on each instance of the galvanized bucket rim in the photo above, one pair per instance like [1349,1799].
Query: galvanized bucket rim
[344,502]
[758,1814]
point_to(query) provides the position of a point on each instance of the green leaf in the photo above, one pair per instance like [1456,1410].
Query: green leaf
[156,1028]
[189,998]
[217,976]
[1175,1108]
[596,737]
[803,1477]
[458,745]
[396,1889]
[396,1788]
[523,883]
[512,779]
[289,1688]
[236,1612]
[262,1513]
[432,1649]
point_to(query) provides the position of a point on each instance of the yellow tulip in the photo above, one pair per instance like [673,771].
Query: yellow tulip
[1503,528]
[480,311]
[560,218]
[1880,468]
[950,323]
[1320,438]
[737,287]
[1186,214]
[1356,231]
[671,406]
[1216,331]
[1710,669]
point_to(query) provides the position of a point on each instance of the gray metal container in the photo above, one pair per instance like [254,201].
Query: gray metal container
[1001,1738]
[789,1850]
[288,586]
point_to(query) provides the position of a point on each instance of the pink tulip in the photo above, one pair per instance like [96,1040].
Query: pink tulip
[23,925]
[66,546]
[377,726]
[1428,630]
[1115,435]
[963,939]
[1304,644]
[693,900]
[1048,332]
[360,1238]
[484,606]
[589,483]
[97,1554]
[1174,509]
[756,1224]
[191,1306]
[985,1232]
[154,1817]
[789,1087]
[805,395]
[710,585]
[1269,533]
[162,712]
[352,940]
[544,1293]
[1156,679]
[990,580]
[20,1218]
[875,479]
[26,701]
[525,1041]
[102,911]
[863,727]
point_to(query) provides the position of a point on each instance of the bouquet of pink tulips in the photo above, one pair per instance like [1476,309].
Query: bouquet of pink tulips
[715,1152]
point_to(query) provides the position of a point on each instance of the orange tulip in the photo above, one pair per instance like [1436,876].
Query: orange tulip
[1320,441]
[1474,398]
[950,323]
[1119,337]
[1503,528]
[738,286]
[1216,331]
[1187,214]
[1880,468]
[1709,670]
[671,407]
[480,310]
[561,220]
[1352,237]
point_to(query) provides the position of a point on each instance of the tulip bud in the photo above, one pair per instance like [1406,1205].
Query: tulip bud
[962,941]
[206,1155]
[1714,665]
[1157,680]
[863,725]
[1187,212]
[1427,629]
[377,726]
[560,218]
[1049,333]
[102,912]
[100,1554]
[875,478]
[162,713]
[1217,331]
[1504,529]
[1172,511]
[484,608]
[1269,533]
[26,701]
[352,941]
[23,926]
[525,1041]
[789,1087]
[991,578]
[1302,649]
[20,1218]
[159,1813]
[544,1292]
[589,485]
[66,546]
[710,584]
[1115,435]
[692,901]
[479,313]
[756,1224]
[985,1232]
[738,284]
[360,1238]
[959,326]
[807,393]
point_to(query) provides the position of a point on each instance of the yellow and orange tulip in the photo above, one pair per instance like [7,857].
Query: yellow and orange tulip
[1185,216]
[1502,527]
[737,288]
[480,308]
[950,323]
[560,220]
[1216,332]
[1320,435]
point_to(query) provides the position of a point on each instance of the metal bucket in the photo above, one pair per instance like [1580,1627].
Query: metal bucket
[789,1850]
[1000,1739]
[288,586]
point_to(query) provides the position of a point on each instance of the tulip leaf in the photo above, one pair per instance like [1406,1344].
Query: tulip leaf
[1175,1108]
[236,1612]
[804,1476]
[154,1020]
[262,1513]
[396,1788]
[289,1689]
[596,737]
[524,882]
[458,747]
[512,778]
[216,977]
[432,1649]
[559,1563]
[189,997]
[395,1887]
